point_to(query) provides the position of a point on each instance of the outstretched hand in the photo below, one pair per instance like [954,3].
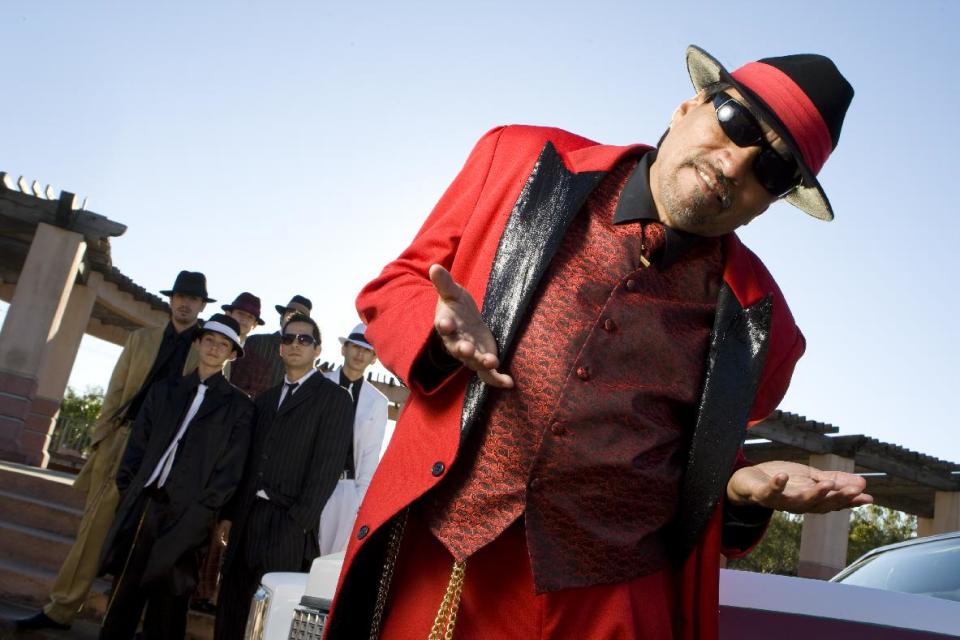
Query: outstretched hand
[465,335]
[797,488]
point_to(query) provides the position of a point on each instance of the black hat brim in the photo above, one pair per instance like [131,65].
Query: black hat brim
[170,292]
[230,307]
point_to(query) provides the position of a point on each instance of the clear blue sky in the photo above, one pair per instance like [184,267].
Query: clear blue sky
[284,148]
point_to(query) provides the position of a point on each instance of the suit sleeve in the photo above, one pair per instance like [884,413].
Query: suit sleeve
[742,527]
[372,442]
[139,440]
[334,432]
[229,470]
[398,306]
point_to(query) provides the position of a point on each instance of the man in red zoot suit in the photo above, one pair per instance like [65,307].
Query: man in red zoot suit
[584,483]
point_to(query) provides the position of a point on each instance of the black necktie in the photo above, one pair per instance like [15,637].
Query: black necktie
[291,386]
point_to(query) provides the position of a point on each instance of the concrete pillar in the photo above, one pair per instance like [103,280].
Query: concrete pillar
[924,527]
[946,512]
[58,362]
[32,320]
[823,541]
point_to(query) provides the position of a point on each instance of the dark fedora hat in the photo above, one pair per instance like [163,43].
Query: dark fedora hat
[245,302]
[224,325]
[300,304]
[190,283]
[803,98]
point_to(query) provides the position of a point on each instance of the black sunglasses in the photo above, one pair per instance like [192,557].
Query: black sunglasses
[302,338]
[778,175]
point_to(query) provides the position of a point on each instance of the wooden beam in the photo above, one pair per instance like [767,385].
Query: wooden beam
[110,333]
[31,209]
[125,305]
[767,451]
[808,441]
[943,481]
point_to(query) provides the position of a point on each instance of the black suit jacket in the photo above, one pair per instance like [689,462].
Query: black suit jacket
[296,459]
[207,469]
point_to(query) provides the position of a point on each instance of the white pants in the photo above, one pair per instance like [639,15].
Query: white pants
[336,521]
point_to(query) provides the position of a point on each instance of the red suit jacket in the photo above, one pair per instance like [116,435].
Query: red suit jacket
[495,230]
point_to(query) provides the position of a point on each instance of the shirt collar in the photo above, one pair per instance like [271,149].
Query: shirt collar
[302,379]
[347,382]
[170,333]
[211,381]
[636,205]
[193,380]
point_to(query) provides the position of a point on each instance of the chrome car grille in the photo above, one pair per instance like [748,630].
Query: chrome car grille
[307,624]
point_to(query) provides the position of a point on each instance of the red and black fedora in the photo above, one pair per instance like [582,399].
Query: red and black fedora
[248,302]
[803,98]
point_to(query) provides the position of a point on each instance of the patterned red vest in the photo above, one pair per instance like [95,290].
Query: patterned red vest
[589,446]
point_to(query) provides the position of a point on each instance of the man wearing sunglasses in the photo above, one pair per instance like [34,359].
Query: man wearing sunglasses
[262,368]
[303,430]
[568,463]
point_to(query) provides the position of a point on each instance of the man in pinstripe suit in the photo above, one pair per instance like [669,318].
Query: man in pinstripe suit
[303,429]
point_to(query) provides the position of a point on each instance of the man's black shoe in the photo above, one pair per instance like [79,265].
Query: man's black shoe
[39,621]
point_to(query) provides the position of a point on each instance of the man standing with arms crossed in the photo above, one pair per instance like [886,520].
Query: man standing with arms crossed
[149,355]
[585,341]
[369,425]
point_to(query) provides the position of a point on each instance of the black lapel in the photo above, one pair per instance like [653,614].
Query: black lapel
[550,199]
[304,393]
[738,350]
[217,394]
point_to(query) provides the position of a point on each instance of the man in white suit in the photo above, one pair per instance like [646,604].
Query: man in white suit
[369,426]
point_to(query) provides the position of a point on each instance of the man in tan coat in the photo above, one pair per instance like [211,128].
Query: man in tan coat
[150,354]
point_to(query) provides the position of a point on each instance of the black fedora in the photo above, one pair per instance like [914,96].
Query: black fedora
[224,325]
[190,283]
[298,303]
[803,98]
[245,302]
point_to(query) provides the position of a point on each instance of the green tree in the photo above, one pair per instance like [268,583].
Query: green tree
[83,407]
[78,412]
[779,551]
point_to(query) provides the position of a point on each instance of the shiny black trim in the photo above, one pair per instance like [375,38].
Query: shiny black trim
[738,350]
[550,199]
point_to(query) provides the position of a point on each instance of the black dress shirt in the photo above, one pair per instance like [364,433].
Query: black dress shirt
[636,205]
[353,386]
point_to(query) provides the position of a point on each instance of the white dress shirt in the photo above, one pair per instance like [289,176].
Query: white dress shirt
[299,383]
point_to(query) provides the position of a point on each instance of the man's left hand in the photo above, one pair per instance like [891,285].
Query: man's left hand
[797,488]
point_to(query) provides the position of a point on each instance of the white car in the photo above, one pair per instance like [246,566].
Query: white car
[294,605]
[753,606]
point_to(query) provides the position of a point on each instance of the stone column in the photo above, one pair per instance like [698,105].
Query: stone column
[33,319]
[58,362]
[823,542]
[946,512]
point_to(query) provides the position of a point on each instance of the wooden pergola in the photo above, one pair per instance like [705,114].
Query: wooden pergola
[57,276]
[897,478]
